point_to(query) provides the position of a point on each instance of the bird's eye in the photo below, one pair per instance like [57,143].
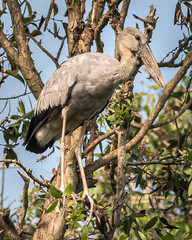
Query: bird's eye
[137,37]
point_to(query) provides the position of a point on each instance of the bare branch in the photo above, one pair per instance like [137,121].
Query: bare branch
[24,204]
[171,62]
[23,58]
[173,118]
[7,226]
[14,97]
[60,48]
[2,111]
[55,60]
[6,45]
[28,172]
[49,14]
[123,12]
[2,188]
[101,24]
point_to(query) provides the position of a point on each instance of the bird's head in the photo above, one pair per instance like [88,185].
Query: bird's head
[132,42]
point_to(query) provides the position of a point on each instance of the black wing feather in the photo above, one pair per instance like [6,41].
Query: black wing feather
[37,122]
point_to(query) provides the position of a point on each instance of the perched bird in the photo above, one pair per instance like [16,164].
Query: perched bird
[81,88]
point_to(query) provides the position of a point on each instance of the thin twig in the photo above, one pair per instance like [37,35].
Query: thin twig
[44,50]
[173,118]
[24,204]
[14,97]
[2,188]
[28,172]
[4,107]
[101,24]
[60,48]
[171,62]
[49,14]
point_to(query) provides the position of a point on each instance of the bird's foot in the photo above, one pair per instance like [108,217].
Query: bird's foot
[92,208]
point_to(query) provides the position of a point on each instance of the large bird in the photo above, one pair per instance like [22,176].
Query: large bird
[80,89]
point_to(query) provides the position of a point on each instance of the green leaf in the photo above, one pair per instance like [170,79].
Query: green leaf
[190,189]
[190,154]
[84,235]
[142,235]
[15,117]
[176,108]
[52,207]
[54,192]
[139,179]
[111,117]
[36,32]
[68,190]
[167,238]
[164,221]
[11,154]
[151,223]
[29,8]
[21,107]
[41,22]
[25,129]
[177,95]
[151,203]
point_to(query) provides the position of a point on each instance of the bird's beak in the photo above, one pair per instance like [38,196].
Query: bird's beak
[151,65]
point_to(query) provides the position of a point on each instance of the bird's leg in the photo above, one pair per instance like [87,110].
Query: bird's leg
[62,153]
[78,154]
[62,149]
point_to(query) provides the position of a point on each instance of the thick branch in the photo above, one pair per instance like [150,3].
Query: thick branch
[6,45]
[123,12]
[23,60]
[7,227]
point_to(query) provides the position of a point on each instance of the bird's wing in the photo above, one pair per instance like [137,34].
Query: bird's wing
[57,90]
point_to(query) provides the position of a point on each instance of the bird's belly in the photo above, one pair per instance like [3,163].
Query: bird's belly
[78,111]
[50,131]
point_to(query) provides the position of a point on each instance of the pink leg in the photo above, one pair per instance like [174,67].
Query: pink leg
[78,154]
[62,149]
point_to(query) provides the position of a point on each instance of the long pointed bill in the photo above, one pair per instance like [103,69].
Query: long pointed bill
[151,65]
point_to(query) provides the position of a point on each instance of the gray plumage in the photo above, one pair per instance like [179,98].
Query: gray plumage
[83,85]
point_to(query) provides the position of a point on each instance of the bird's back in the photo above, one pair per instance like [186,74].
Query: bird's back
[83,84]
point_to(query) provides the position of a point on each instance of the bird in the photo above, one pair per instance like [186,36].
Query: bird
[80,89]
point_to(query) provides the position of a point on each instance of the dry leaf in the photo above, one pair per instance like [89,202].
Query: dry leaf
[177,12]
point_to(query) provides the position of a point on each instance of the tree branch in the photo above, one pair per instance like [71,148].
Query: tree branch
[171,62]
[49,14]
[28,172]
[24,204]
[6,45]
[44,50]
[7,226]
[23,58]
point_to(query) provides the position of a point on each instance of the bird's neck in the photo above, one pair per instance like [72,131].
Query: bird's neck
[128,66]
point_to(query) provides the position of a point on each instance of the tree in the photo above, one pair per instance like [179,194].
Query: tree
[143,171]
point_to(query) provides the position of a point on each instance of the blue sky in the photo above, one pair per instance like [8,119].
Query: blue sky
[165,38]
